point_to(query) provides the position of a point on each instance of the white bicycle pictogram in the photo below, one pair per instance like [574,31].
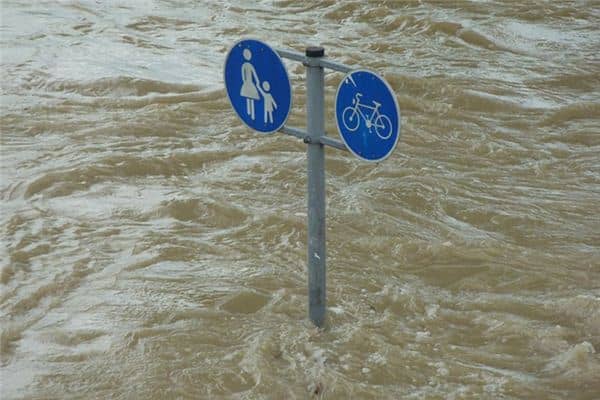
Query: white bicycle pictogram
[352,115]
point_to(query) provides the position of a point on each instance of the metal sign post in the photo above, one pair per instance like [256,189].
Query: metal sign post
[250,64]
[315,124]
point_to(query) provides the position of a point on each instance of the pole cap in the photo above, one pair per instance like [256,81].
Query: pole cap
[315,51]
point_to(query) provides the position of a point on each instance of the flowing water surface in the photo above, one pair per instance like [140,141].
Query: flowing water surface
[153,247]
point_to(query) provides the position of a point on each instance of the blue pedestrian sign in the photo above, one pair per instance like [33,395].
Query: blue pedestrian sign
[258,85]
[367,115]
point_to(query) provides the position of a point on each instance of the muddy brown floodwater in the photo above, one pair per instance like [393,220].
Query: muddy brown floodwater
[153,247]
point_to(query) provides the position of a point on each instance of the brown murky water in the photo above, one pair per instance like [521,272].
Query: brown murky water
[153,247]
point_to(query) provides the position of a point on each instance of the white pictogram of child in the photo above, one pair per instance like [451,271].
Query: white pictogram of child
[269,101]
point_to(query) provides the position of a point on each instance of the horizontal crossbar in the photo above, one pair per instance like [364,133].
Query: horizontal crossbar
[324,140]
[316,61]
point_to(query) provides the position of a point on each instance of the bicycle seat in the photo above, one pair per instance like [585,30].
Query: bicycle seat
[376,103]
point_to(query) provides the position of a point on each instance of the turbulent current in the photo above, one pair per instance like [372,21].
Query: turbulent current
[154,247]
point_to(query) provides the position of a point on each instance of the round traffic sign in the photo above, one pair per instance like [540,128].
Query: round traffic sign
[367,115]
[258,85]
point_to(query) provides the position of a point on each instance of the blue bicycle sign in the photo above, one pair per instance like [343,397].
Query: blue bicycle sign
[351,118]
[367,115]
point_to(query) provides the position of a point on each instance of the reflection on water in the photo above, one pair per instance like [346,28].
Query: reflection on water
[153,247]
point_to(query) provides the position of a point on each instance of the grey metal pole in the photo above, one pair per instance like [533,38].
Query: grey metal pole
[316,261]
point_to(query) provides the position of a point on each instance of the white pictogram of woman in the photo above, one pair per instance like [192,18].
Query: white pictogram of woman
[249,85]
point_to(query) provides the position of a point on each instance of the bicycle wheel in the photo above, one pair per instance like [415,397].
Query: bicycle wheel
[383,127]
[350,118]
